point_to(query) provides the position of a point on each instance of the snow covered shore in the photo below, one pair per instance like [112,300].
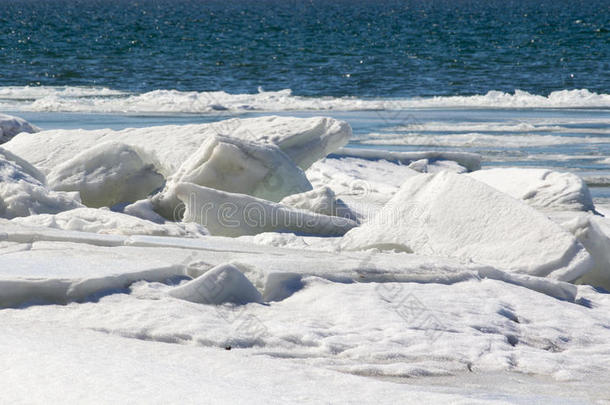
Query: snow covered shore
[294,270]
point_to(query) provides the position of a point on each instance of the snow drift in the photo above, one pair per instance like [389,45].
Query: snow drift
[449,214]
[228,214]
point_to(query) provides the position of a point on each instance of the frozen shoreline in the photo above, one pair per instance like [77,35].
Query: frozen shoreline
[455,290]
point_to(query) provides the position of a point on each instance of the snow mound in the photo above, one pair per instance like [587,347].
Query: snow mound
[107,174]
[453,215]
[471,161]
[304,140]
[23,191]
[109,222]
[229,214]
[236,166]
[220,285]
[11,126]
[320,201]
[540,188]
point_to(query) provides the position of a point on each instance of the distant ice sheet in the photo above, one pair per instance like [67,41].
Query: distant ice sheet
[92,99]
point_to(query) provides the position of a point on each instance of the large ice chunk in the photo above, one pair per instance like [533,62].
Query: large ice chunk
[23,191]
[304,140]
[11,126]
[220,285]
[107,174]
[540,188]
[236,166]
[228,214]
[449,214]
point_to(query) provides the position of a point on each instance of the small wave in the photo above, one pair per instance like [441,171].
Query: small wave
[104,100]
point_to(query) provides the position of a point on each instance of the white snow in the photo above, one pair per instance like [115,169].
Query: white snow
[23,191]
[236,166]
[540,188]
[454,215]
[222,284]
[108,222]
[302,139]
[229,214]
[107,174]
[11,126]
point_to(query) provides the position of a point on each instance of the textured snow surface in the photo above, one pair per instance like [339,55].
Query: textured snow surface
[11,126]
[454,215]
[540,188]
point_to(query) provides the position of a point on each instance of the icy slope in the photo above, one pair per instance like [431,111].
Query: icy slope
[454,215]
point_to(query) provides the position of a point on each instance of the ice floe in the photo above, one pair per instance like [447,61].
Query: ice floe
[236,166]
[107,174]
[303,139]
[454,215]
[11,126]
[229,214]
